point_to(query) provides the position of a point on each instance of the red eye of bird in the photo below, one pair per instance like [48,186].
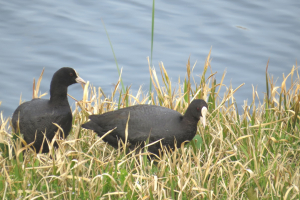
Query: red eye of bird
[71,74]
[198,108]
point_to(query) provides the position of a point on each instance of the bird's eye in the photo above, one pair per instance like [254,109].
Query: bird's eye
[198,108]
[71,74]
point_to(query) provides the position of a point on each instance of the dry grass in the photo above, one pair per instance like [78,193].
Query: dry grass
[253,154]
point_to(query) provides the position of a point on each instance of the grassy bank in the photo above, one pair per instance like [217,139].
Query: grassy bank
[250,154]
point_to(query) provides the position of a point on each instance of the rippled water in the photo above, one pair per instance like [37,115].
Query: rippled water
[52,34]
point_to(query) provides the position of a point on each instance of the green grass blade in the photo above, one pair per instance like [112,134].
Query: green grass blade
[152,36]
[123,88]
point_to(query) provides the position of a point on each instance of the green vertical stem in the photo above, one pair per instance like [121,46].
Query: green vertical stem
[152,35]
[123,88]
[267,84]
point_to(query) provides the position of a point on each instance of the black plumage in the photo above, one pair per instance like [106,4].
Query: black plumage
[35,117]
[149,121]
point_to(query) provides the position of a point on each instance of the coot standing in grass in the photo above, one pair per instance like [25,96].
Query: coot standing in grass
[149,121]
[36,117]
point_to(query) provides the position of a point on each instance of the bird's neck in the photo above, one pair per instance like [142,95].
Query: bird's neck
[190,125]
[58,94]
[188,117]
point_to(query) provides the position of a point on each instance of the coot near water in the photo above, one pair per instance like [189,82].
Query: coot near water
[149,121]
[37,117]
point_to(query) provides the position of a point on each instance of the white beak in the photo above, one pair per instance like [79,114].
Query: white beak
[203,118]
[81,81]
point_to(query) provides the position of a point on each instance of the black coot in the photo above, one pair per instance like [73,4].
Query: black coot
[149,121]
[35,117]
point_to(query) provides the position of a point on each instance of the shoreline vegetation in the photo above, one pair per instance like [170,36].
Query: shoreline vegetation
[251,153]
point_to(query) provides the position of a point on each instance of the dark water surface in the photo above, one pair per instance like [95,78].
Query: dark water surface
[52,34]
